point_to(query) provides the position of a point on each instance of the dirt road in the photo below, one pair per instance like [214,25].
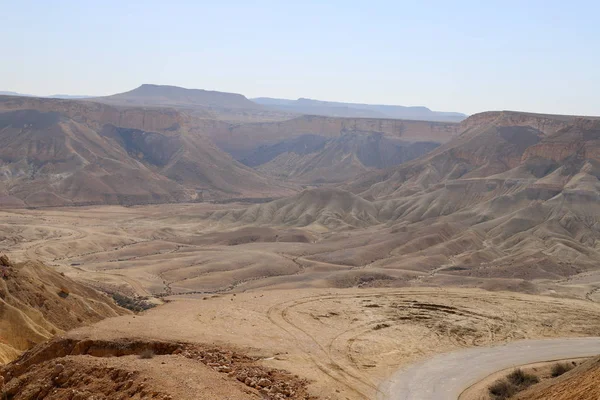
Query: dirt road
[446,376]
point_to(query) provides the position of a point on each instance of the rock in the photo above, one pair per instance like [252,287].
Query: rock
[58,368]
[264,382]
[224,368]
[4,261]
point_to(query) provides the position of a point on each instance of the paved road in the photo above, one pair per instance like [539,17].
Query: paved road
[445,376]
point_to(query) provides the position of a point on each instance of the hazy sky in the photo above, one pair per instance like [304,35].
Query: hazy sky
[467,56]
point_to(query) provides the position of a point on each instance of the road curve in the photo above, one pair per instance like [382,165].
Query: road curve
[446,376]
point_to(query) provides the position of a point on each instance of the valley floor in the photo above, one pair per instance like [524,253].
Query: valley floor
[268,292]
[164,250]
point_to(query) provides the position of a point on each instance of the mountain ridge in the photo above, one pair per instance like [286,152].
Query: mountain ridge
[66,152]
[359,110]
[166,95]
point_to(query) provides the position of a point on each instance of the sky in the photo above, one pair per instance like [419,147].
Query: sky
[466,56]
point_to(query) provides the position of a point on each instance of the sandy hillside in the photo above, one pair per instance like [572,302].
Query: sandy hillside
[38,303]
[64,152]
[580,383]
[345,342]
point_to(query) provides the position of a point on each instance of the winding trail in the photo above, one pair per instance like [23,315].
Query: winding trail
[446,376]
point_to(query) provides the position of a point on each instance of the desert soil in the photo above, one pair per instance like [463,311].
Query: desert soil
[346,342]
[175,249]
[266,292]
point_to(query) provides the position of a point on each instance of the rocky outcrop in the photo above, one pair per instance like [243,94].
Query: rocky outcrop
[240,140]
[98,115]
[547,123]
[57,366]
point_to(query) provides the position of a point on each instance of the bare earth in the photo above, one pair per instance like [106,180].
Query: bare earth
[196,248]
[346,342]
[267,291]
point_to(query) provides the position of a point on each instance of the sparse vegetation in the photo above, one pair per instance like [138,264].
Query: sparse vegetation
[516,381]
[64,292]
[561,368]
[362,279]
[521,379]
[380,326]
[132,304]
[147,354]
[501,390]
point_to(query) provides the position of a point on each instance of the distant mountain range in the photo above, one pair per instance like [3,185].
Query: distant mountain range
[54,96]
[356,110]
[174,96]
[234,107]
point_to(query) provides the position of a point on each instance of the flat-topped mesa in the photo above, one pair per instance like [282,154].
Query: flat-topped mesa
[163,95]
[146,119]
[409,130]
[546,123]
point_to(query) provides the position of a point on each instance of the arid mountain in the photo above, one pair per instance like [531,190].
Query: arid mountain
[499,145]
[53,96]
[173,96]
[62,152]
[315,159]
[312,149]
[512,199]
[354,110]
[201,103]
[38,302]
[332,208]
[241,140]
[8,93]
[515,195]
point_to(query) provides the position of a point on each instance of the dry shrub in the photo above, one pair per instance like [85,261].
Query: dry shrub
[515,382]
[501,390]
[147,354]
[560,368]
[358,279]
[521,379]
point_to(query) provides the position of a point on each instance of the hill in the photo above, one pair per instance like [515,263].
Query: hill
[315,159]
[201,103]
[174,96]
[38,303]
[511,200]
[331,208]
[64,152]
[513,196]
[357,110]
[313,149]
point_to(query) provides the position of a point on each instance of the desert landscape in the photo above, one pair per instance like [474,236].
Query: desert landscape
[172,243]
